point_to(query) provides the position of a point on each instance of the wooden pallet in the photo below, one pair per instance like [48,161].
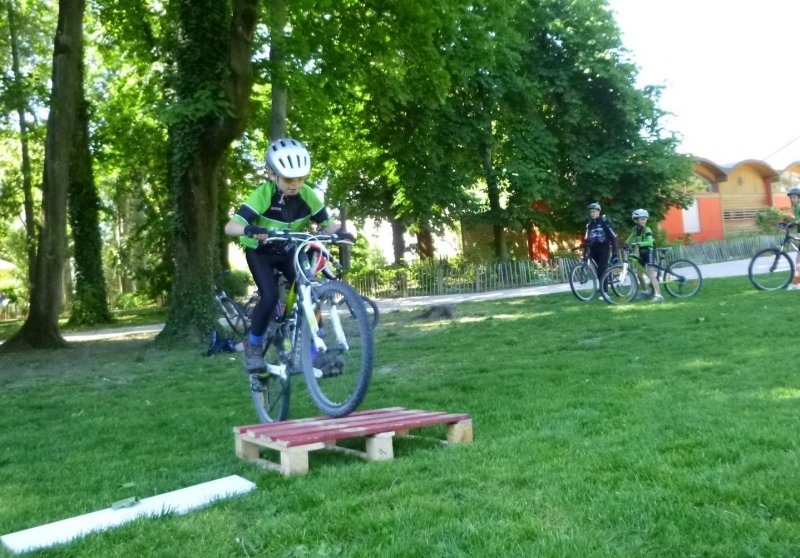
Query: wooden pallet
[295,438]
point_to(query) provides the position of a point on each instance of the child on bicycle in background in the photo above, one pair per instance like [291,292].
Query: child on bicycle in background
[794,199]
[642,236]
[284,202]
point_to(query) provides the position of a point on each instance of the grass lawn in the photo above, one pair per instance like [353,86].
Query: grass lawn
[643,430]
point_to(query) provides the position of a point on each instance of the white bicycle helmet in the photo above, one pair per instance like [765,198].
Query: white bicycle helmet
[289,158]
[639,213]
[593,205]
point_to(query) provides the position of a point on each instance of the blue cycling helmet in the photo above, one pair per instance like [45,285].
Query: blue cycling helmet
[593,205]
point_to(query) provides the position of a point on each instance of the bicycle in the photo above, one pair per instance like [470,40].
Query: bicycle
[370,306]
[772,269]
[321,331]
[681,278]
[229,309]
[583,277]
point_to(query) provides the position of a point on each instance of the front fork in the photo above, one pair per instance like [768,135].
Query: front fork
[308,309]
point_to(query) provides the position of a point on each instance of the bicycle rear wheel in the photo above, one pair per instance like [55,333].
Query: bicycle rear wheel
[271,390]
[770,270]
[682,279]
[370,307]
[233,315]
[583,282]
[620,284]
[339,377]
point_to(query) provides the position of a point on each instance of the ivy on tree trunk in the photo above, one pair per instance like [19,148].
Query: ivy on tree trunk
[90,303]
[212,82]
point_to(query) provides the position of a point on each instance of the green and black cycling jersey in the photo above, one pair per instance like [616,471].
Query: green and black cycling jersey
[643,236]
[267,207]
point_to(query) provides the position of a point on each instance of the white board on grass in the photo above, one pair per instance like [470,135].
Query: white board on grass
[178,501]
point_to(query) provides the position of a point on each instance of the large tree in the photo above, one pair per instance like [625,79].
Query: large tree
[26,45]
[90,303]
[40,329]
[212,80]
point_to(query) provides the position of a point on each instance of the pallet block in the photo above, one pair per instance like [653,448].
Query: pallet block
[295,438]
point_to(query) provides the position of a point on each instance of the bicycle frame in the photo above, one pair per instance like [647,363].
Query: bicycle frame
[299,298]
[789,239]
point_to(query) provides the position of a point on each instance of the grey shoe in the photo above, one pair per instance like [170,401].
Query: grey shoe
[658,298]
[253,358]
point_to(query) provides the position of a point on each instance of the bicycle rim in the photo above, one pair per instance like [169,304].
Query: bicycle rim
[373,313]
[234,316]
[682,279]
[338,378]
[583,282]
[618,285]
[271,391]
[770,270]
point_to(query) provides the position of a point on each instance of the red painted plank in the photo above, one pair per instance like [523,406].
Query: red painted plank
[363,423]
[287,432]
[369,430]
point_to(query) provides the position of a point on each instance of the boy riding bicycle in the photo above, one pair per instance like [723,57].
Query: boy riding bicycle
[284,202]
[642,236]
[794,199]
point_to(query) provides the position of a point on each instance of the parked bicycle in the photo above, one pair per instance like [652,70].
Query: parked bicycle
[773,269]
[583,277]
[320,330]
[681,278]
[229,309]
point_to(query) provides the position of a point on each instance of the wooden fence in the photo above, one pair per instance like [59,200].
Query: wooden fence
[444,276]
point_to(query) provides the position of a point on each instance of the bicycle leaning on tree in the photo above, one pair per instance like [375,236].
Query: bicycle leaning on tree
[229,309]
[681,278]
[320,330]
[772,269]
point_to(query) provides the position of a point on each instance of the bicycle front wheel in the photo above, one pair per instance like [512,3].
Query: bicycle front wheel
[271,389]
[770,270]
[682,279]
[338,377]
[583,282]
[619,285]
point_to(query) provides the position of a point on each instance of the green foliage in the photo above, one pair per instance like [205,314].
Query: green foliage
[124,301]
[768,219]
[235,283]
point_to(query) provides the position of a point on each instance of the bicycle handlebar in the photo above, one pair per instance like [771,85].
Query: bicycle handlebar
[274,235]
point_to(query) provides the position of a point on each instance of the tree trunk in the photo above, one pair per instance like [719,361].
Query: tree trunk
[398,241]
[90,303]
[198,145]
[425,246]
[276,19]
[223,214]
[27,180]
[495,211]
[40,329]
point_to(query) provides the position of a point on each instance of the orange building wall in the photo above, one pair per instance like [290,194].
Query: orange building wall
[710,212]
[710,220]
[672,223]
